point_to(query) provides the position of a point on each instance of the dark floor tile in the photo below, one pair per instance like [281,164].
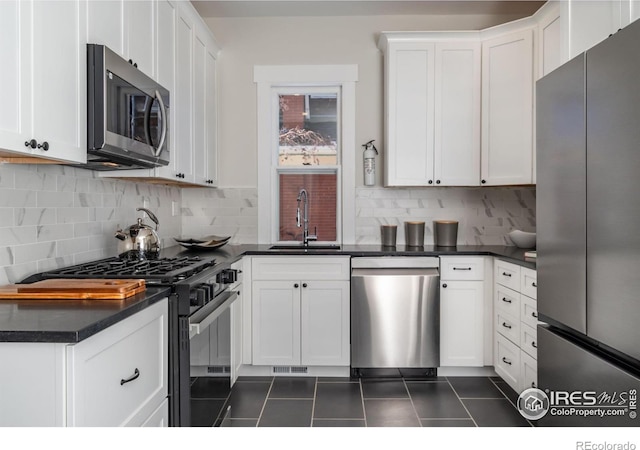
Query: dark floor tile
[211,387]
[436,400]
[507,391]
[384,388]
[338,423]
[204,412]
[293,387]
[495,413]
[246,378]
[447,423]
[475,387]
[247,399]
[338,401]
[390,413]
[286,413]
[237,423]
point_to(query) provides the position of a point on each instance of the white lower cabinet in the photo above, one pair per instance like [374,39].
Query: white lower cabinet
[118,377]
[302,321]
[516,321]
[160,417]
[462,321]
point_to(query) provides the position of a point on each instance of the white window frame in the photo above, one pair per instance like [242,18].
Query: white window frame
[268,80]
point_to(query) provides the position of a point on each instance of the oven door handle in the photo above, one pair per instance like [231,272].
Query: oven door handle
[206,315]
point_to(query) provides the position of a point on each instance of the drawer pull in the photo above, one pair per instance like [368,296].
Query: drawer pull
[504,299]
[533,344]
[534,284]
[506,325]
[506,361]
[534,315]
[135,375]
[506,274]
[462,268]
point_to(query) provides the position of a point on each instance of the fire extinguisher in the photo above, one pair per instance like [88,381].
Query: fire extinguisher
[370,152]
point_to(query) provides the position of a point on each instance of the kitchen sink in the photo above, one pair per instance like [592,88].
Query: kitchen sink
[300,247]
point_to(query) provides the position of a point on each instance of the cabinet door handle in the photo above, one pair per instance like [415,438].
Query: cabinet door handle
[506,325]
[534,315]
[44,146]
[136,374]
[534,284]
[533,384]
[533,344]
[506,361]
[437,181]
[462,268]
[506,274]
[504,299]
[304,285]
[444,285]
[32,143]
[296,285]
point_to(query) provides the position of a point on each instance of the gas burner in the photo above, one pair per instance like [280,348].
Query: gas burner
[155,271]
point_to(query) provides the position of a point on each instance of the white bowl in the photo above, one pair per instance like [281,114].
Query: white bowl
[522,239]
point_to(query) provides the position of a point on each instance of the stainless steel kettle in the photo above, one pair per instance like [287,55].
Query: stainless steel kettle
[139,241]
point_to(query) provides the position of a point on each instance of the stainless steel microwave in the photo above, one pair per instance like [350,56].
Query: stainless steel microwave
[127,114]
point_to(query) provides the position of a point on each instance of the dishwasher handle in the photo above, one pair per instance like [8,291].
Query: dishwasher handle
[406,272]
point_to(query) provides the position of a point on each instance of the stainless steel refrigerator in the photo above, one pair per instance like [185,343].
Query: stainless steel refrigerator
[588,228]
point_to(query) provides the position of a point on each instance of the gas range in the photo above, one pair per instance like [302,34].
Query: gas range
[161,271]
[199,295]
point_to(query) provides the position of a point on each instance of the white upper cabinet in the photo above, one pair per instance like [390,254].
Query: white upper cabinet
[507,108]
[127,28]
[457,114]
[140,18]
[432,117]
[550,38]
[43,107]
[590,22]
[183,56]
[15,92]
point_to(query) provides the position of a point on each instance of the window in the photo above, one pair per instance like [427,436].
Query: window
[307,158]
[306,142]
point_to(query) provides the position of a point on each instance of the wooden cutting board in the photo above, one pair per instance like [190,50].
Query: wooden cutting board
[74,289]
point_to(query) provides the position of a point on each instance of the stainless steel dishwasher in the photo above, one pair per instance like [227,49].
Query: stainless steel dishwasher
[395,311]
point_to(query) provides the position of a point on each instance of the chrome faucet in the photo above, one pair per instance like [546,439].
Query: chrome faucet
[306,237]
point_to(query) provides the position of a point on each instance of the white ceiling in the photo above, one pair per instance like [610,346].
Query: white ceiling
[284,8]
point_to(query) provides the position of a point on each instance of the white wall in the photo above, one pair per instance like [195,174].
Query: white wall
[247,42]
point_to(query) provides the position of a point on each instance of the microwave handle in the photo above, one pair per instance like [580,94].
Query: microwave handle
[163,135]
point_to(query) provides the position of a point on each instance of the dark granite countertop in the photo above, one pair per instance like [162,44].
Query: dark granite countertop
[68,321]
[72,321]
[230,253]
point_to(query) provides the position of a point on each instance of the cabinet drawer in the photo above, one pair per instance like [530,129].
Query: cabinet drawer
[529,311]
[528,372]
[528,340]
[507,362]
[508,326]
[507,301]
[507,274]
[528,282]
[134,349]
[301,268]
[456,268]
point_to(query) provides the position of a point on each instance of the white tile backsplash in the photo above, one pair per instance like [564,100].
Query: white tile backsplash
[53,216]
[485,215]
